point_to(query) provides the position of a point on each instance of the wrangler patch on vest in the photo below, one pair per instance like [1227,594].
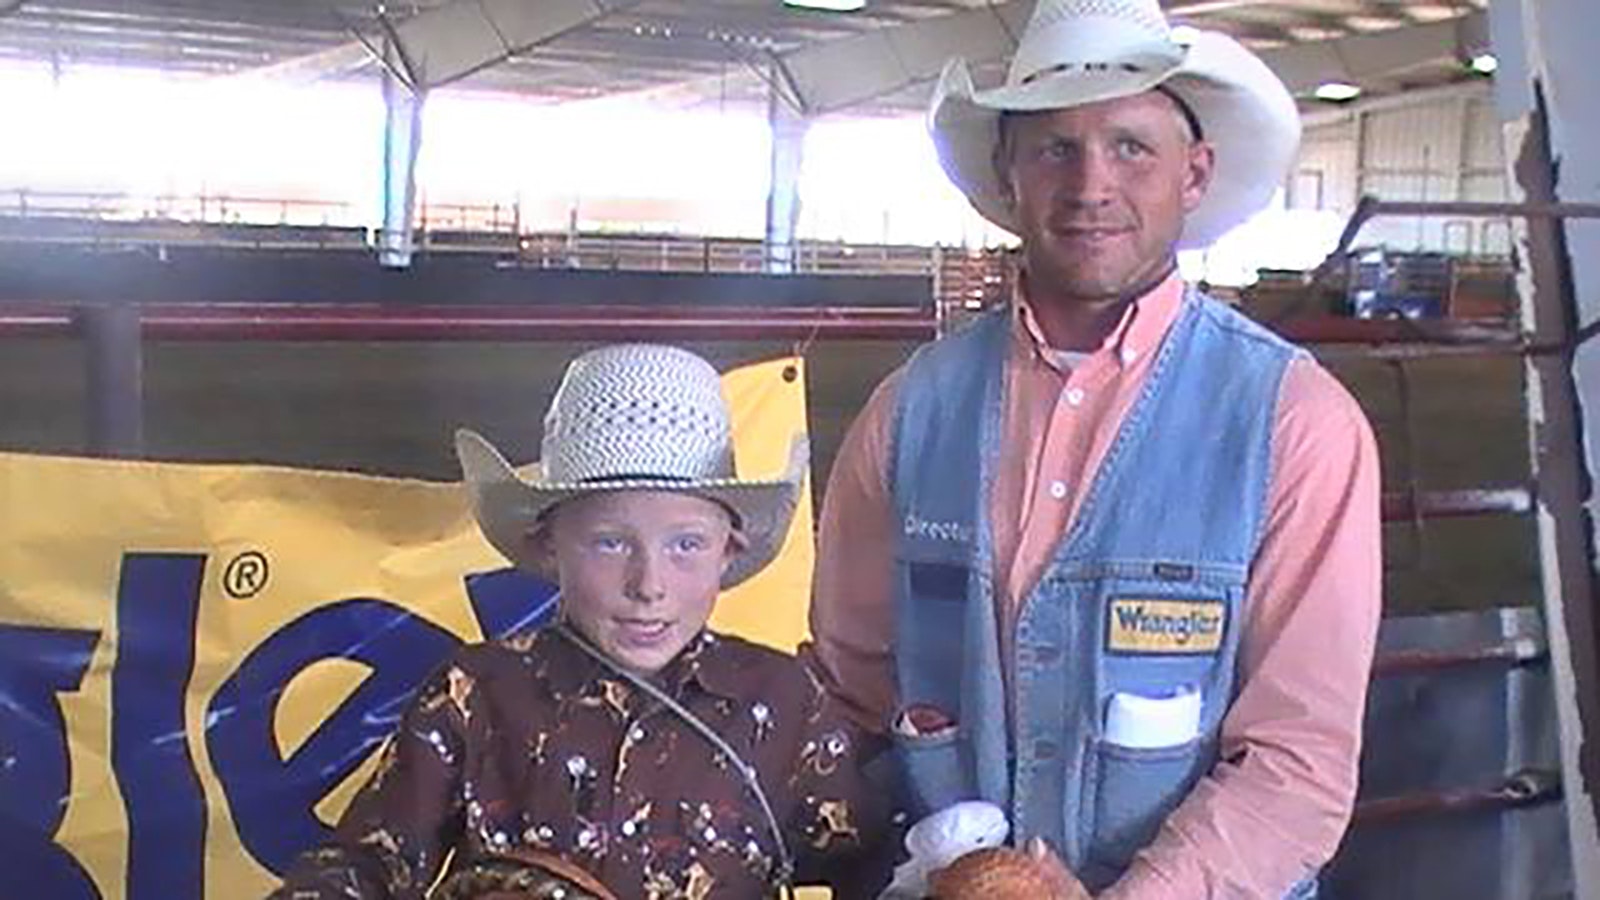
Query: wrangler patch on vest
[1138,625]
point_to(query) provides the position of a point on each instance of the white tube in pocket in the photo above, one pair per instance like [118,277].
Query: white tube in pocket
[1151,723]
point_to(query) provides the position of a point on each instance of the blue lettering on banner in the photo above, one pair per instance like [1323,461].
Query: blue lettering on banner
[507,601]
[36,664]
[272,799]
[158,603]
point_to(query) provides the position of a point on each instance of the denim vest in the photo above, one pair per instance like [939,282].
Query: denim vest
[1144,594]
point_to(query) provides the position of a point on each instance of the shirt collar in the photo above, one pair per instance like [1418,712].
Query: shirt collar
[704,662]
[1143,324]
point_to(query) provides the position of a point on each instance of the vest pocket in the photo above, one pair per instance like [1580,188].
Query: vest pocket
[938,580]
[1135,791]
[933,770]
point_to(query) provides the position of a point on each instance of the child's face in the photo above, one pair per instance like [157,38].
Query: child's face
[639,570]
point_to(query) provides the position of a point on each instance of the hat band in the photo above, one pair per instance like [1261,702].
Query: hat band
[1085,66]
[1193,121]
[1195,131]
[635,476]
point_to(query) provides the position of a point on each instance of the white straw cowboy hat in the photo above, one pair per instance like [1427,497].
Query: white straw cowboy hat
[1076,52]
[632,417]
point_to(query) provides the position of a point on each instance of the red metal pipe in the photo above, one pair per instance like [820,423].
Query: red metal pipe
[1483,208]
[339,321]
[1414,662]
[1527,788]
[1346,330]
[26,320]
[1401,507]
[360,322]
[1369,207]
[172,319]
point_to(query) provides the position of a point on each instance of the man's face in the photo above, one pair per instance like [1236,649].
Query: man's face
[1101,193]
[639,570]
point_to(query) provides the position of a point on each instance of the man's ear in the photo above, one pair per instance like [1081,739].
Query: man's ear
[1000,162]
[1197,175]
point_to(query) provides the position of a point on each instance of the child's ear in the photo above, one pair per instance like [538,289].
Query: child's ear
[540,546]
[737,544]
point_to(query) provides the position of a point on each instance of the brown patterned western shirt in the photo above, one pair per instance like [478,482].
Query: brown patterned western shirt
[530,742]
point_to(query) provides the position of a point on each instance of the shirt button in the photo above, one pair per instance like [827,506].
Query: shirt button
[1058,490]
[1129,355]
[1075,396]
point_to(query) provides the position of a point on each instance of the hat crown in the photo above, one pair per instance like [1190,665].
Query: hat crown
[638,411]
[1067,34]
[1143,14]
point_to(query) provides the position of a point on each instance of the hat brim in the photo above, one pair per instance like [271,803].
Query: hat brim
[509,505]
[1247,114]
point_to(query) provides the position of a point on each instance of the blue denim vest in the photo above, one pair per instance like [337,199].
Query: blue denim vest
[1165,536]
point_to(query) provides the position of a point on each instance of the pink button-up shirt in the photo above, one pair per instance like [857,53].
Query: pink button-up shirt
[1277,802]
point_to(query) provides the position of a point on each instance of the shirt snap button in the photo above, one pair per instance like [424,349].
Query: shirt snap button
[1058,490]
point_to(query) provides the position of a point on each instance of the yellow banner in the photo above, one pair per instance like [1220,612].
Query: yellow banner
[196,661]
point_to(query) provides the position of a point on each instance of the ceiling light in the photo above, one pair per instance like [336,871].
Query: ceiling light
[1484,64]
[1337,91]
[1310,33]
[1429,12]
[829,5]
[1370,24]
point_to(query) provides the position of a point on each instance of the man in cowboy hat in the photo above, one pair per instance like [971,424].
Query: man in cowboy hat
[1110,557]
[626,749]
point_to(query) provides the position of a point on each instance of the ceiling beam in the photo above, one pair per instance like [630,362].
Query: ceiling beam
[831,76]
[333,62]
[449,42]
[1359,58]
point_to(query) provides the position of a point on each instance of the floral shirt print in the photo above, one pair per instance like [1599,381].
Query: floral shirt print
[530,742]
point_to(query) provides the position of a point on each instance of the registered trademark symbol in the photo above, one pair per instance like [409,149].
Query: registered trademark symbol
[245,575]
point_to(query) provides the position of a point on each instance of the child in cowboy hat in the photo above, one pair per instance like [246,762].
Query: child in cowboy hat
[625,748]
[1110,557]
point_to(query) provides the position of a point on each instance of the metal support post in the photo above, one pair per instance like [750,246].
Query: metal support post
[1548,103]
[115,360]
[1563,487]
[789,127]
[402,139]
